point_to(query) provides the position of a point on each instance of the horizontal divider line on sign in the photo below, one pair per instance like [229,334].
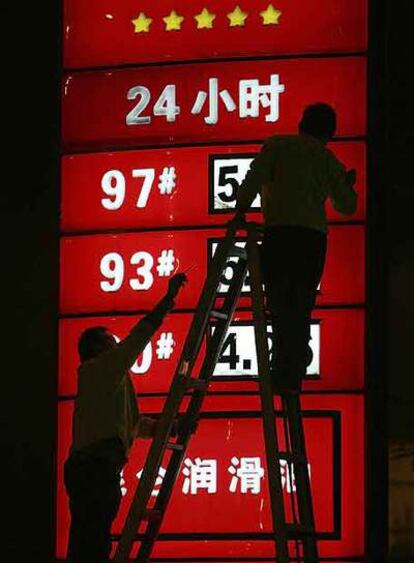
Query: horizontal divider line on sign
[179,228]
[225,536]
[307,413]
[360,391]
[126,66]
[190,311]
[351,559]
[117,148]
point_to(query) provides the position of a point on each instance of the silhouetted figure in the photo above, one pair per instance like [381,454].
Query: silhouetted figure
[105,423]
[295,174]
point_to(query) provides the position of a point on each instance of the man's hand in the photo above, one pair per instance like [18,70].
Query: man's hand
[351,177]
[175,284]
[179,424]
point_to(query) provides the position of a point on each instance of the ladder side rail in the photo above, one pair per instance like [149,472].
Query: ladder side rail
[302,479]
[290,476]
[212,353]
[188,357]
[268,411]
[215,345]
[149,475]
[207,297]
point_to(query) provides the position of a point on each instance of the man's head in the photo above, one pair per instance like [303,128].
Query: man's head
[93,341]
[319,120]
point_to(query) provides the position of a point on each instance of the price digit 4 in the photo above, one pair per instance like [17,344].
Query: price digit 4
[231,358]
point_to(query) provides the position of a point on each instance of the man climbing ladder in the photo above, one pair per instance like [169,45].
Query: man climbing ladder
[295,174]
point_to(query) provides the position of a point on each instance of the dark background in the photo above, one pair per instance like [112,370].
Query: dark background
[29,128]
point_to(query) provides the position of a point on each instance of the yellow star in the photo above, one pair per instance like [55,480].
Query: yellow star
[173,21]
[205,19]
[142,23]
[237,17]
[270,15]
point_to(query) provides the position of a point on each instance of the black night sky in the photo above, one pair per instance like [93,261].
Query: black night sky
[29,128]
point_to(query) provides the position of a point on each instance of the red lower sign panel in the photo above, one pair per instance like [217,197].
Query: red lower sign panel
[224,474]
[112,33]
[337,344]
[171,188]
[210,102]
[130,272]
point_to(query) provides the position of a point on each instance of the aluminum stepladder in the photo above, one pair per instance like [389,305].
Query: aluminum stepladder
[219,309]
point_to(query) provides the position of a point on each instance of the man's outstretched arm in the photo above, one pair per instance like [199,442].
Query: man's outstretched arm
[128,349]
[341,187]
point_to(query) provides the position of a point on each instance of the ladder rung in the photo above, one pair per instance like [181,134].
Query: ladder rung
[152,515]
[174,446]
[197,384]
[219,315]
[238,251]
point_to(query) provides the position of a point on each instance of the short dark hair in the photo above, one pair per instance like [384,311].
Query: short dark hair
[88,340]
[318,120]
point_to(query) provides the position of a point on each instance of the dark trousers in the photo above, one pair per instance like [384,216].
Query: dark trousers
[293,259]
[93,486]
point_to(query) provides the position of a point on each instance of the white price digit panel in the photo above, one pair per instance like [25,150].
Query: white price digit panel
[238,356]
[228,273]
[227,174]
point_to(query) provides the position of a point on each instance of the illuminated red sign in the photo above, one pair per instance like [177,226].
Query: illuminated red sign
[337,345]
[129,272]
[233,101]
[174,187]
[112,33]
[153,155]
[213,480]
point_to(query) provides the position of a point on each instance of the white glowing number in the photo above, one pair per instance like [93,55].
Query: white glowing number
[148,174]
[113,185]
[146,359]
[140,369]
[112,267]
[134,116]
[166,104]
[144,261]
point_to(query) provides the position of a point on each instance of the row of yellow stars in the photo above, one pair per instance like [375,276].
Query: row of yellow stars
[205,19]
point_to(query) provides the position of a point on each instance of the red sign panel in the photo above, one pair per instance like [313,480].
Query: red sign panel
[110,32]
[129,272]
[224,473]
[337,344]
[233,101]
[174,187]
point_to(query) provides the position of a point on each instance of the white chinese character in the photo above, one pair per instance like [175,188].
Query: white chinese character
[213,96]
[249,472]
[202,474]
[252,96]
[158,481]
[288,476]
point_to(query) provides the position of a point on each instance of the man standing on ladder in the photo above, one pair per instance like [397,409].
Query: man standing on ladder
[295,174]
[105,423]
